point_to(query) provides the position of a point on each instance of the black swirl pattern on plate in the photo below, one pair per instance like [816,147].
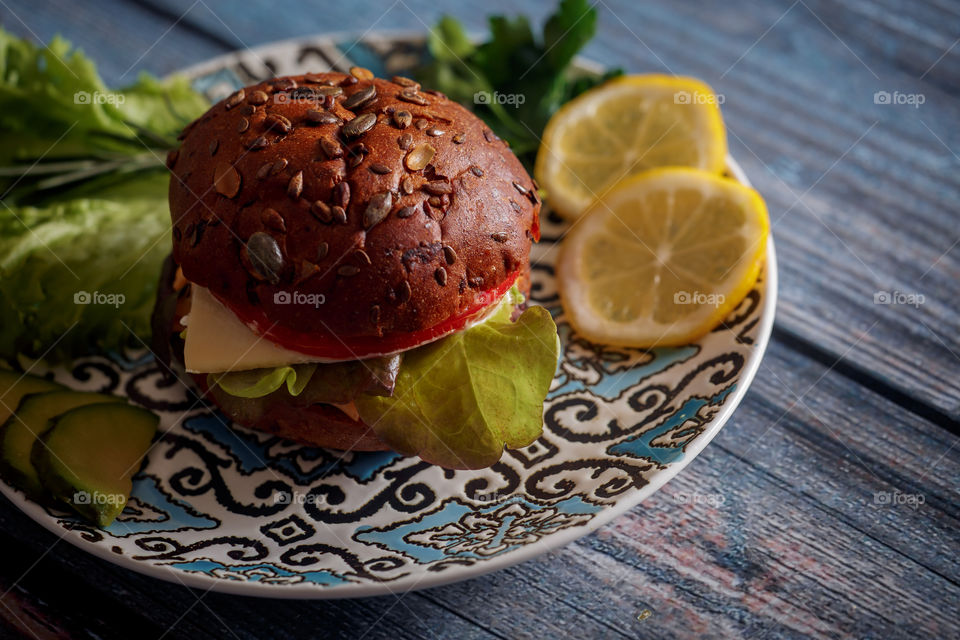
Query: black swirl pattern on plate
[232,505]
[556,481]
[238,548]
[190,481]
[152,389]
[657,400]
[307,555]
[95,370]
[399,494]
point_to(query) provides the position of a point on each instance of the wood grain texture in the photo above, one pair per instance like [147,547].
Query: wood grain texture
[122,38]
[774,531]
[799,80]
[823,509]
[857,190]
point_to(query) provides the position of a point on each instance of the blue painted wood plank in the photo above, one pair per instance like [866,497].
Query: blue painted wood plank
[780,529]
[256,23]
[859,192]
[120,37]
[803,519]
[792,116]
[918,37]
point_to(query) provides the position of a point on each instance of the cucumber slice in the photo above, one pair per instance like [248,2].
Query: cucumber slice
[91,454]
[13,386]
[32,420]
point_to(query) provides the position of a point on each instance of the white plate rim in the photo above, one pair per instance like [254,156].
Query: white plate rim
[428,580]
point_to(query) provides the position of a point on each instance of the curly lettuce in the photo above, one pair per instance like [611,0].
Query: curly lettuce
[257,383]
[84,219]
[337,382]
[459,401]
[54,107]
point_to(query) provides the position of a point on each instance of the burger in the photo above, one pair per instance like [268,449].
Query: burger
[350,268]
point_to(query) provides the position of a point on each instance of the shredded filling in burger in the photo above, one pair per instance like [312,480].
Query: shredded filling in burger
[350,262]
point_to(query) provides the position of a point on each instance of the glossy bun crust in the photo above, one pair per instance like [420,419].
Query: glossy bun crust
[396,204]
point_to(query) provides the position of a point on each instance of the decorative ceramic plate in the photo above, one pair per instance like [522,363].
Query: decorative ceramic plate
[244,512]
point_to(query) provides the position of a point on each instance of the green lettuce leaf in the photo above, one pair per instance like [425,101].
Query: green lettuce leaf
[105,231]
[331,382]
[79,275]
[460,400]
[257,383]
[54,105]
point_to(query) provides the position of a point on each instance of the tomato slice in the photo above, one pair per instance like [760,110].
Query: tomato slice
[327,345]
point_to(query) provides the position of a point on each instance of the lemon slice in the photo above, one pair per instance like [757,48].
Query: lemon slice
[662,258]
[624,127]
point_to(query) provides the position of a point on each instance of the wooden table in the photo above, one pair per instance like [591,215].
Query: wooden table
[839,473]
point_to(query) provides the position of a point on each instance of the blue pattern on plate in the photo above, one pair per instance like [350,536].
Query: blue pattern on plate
[253,452]
[207,502]
[462,530]
[362,55]
[219,84]
[642,446]
[615,380]
[262,572]
[132,360]
[168,515]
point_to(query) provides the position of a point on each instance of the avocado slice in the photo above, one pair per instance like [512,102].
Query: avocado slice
[30,421]
[89,455]
[14,385]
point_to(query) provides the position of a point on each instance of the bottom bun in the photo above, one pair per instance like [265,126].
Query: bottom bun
[318,425]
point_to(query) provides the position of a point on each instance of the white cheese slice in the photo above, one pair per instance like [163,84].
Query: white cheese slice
[217,340]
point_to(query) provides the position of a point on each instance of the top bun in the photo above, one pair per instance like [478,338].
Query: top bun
[397,205]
